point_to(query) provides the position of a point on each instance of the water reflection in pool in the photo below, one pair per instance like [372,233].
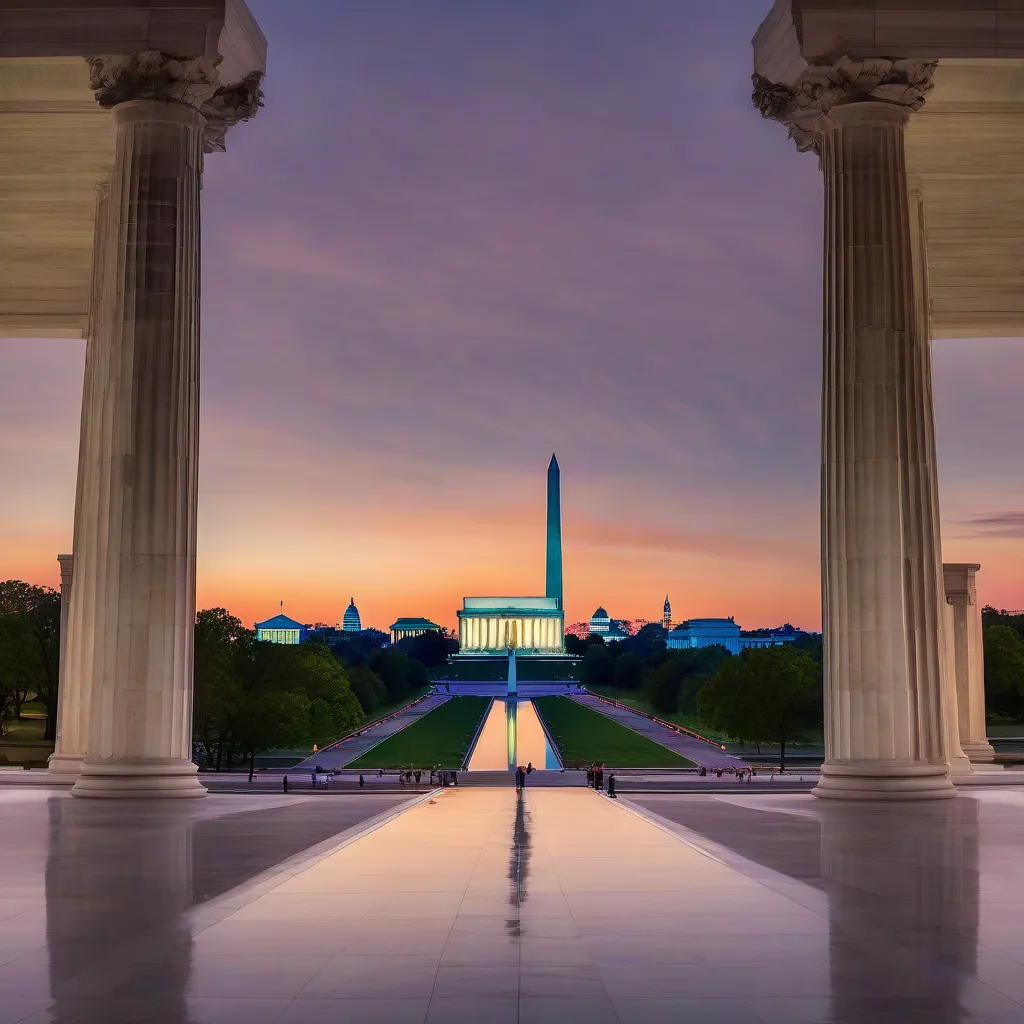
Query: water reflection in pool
[512,735]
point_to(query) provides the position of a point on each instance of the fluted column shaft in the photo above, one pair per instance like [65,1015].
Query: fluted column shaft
[79,640]
[139,475]
[884,732]
[967,658]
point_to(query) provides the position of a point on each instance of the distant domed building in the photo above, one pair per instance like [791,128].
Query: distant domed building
[603,625]
[351,623]
[600,622]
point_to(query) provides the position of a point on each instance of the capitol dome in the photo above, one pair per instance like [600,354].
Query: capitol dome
[351,623]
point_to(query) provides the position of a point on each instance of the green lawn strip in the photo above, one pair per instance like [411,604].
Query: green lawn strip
[441,737]
[582,734]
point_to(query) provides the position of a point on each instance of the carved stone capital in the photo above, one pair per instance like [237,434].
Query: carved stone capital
[228,106]
[829,81]
[152,75]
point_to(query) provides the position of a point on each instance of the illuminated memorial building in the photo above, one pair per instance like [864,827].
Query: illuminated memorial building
[532,626]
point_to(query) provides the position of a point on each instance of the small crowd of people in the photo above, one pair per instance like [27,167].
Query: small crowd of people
[740,773]
[595,779]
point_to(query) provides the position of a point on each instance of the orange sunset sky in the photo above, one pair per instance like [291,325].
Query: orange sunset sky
[460,237]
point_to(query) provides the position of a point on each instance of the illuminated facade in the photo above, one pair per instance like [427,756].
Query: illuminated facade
[351,623]
[404,628]
[281,630]
[492,625]
[724,633]
[603,625]
[666,615]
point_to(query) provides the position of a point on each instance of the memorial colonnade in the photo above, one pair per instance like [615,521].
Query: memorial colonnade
[889,98]
[144,92]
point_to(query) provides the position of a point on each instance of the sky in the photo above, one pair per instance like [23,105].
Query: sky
[462,235]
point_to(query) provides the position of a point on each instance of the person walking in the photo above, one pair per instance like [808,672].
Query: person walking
[285,783]
[611,786]
[590,776]
[362,781]
[417,777]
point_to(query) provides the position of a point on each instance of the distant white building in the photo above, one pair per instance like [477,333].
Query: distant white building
[725,633]
[280,630]
[602,625]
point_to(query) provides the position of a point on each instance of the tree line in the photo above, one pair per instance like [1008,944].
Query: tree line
[252,696]
[29,651]
[1003,638]
[762,695]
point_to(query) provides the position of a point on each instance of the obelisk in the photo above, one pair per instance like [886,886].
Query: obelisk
[553,579]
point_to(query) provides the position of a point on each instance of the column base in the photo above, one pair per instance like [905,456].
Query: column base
[64,769]
[884,781]
[145,778]
[979,751]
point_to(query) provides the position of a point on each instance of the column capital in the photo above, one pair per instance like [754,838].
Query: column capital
[192,81]
[828,82]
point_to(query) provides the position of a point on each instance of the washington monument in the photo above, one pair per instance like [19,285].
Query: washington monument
[553,578]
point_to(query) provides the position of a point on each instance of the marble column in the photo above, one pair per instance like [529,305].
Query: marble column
[967,659]
[66,563]
[79,638]
[889,731]
[145,463]
[133,598]
[884,731]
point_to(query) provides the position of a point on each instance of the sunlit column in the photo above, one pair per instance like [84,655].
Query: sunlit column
[967,659]
[885,729]
[143,523]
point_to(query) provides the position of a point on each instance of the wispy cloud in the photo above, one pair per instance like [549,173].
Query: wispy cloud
[994,524]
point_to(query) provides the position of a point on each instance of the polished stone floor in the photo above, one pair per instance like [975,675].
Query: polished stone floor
[477,904]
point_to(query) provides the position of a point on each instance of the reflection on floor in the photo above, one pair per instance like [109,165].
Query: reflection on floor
[552,905]
[512,735]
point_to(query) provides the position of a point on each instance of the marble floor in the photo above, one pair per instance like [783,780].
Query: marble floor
[482,905]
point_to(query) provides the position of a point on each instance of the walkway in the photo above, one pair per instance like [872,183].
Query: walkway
[337,755]
[476,905]
[703,754]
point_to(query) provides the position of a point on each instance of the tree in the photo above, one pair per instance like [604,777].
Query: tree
[368,687]
[358,648]
[597,667]
[628,671]
[764,695]
[333,708]
[30,647]
[431,648]
[648,640]
[675,677]
[1004,670]
[400,674]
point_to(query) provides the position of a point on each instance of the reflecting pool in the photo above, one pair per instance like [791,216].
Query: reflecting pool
[512,735]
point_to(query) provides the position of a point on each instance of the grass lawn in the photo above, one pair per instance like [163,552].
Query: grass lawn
[23,742]
[585,735]
[441,737]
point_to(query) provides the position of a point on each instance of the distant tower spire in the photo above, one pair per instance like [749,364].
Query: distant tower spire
[553,575]
[666,615]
